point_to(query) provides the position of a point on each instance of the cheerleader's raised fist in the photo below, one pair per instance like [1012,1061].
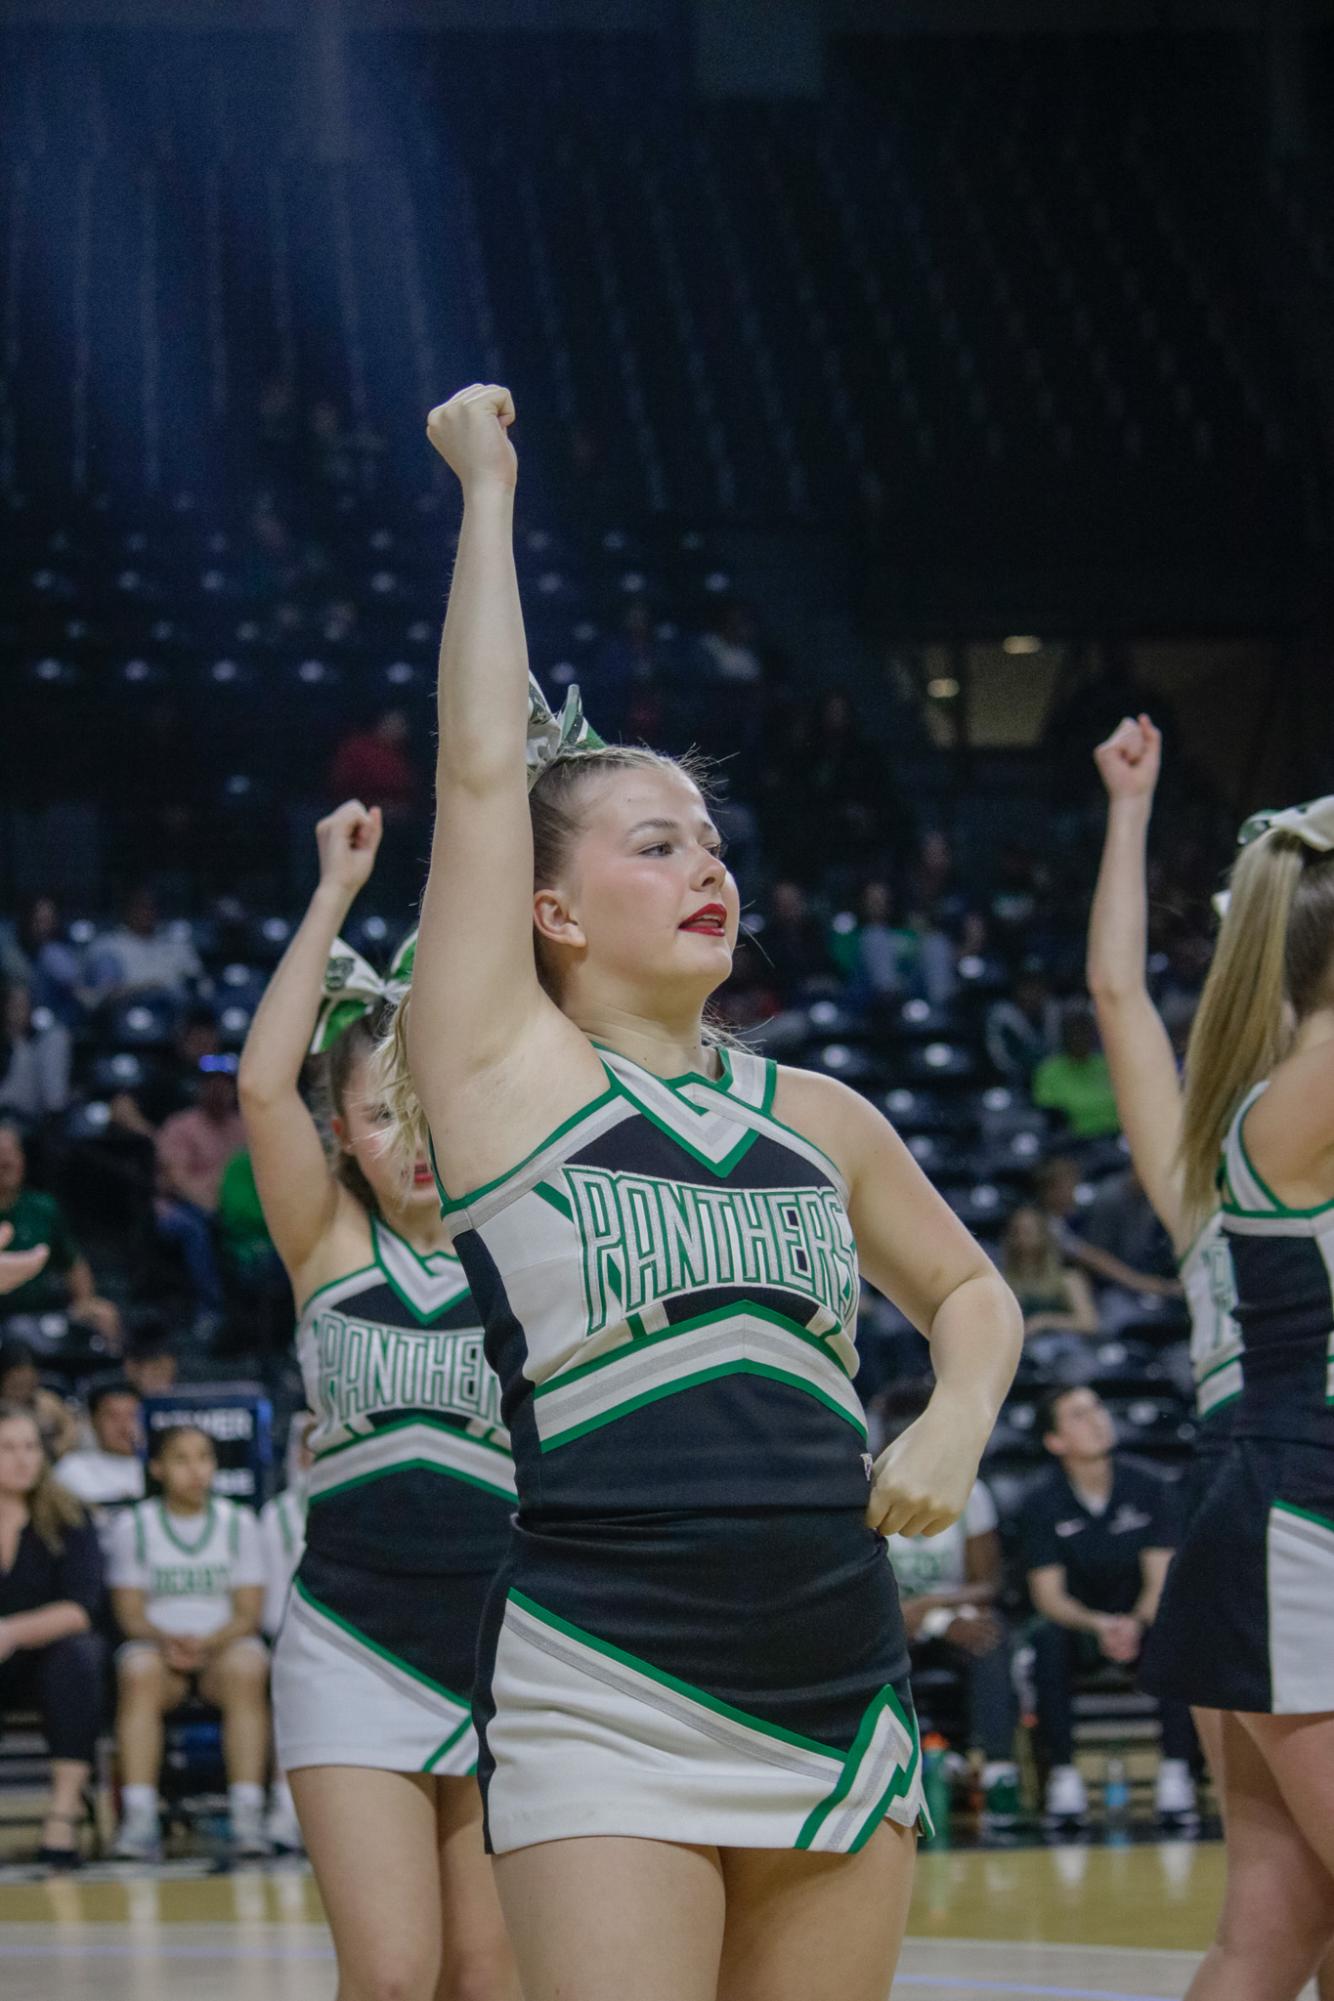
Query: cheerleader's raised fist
[471,434]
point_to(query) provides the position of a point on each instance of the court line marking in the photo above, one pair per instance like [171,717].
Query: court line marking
[234,1950]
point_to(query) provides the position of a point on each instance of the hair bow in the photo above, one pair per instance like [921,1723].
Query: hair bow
[353,989]
[1312,824]
[549,735]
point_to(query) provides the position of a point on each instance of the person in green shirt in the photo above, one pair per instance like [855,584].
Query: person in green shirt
[64,1284]
[245,1236]
[1076,1081]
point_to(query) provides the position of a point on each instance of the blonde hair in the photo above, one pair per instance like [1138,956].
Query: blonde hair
[51,1508]
[331,1076]
[553,805]
[1270,968]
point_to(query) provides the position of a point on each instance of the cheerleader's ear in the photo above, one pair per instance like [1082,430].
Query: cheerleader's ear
[554,921]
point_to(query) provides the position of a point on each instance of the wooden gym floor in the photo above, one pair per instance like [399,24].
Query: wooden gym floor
[1062,1924]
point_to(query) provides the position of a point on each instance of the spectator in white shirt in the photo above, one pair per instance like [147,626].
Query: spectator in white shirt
[142,955]
[108,1476]
[187,1587]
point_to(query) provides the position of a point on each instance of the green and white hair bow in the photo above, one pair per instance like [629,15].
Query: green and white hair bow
[549,734]
[353,989]
[1312,824]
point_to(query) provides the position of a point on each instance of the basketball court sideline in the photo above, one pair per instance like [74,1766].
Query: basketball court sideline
[1055,1924]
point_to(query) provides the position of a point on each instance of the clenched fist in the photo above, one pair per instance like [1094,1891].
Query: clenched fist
[1128,762]
[471,434]
[349,840]
[924,1477]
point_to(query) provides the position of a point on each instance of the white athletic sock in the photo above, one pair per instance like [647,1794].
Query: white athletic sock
[139,1801]
[280,1797]
[245,1798]
[1173,1768]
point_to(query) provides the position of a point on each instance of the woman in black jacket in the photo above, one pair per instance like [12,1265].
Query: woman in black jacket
[50,1589]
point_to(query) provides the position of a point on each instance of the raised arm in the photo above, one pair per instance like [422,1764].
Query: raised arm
[475,991]
[297,1191]
[1139,1053]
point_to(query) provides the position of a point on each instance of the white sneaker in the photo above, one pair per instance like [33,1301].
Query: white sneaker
[139,1837]
[1174,1795]
[284,1829]
[1067,1795]
[248,1836]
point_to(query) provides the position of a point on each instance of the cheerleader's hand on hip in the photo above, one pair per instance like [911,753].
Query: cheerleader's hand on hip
[471,434]
[349,840]
[923,1479]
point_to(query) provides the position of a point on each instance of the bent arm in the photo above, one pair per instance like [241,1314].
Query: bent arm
[296,1190]
[1139,1053]
[56,1621]
[247,1611]
[917,1252]
[1046,1588]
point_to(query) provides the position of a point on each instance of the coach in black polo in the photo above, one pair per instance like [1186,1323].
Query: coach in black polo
[1097,1533]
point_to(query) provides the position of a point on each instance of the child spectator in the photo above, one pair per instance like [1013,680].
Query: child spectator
[187,1588]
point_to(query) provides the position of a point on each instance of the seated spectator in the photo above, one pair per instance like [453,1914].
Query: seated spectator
[193,1148]
[282,1531]
[21,1386]
[1055,1297]
[172,1088]
[1076,1082]
[48,964]
[187,1588]
[149,1360]
[793,941]
[1097,1532]
[243,1234]
[1023,1028]
[949,1585]
[109,1474]
[1057,1184]
[65,1283]
[374,765]
[17,1267]
[877,957]
[141,955]
[50,1593]
[1121,1224]
[34,1062]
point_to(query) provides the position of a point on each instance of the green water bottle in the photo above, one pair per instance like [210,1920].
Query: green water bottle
[936,1788]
